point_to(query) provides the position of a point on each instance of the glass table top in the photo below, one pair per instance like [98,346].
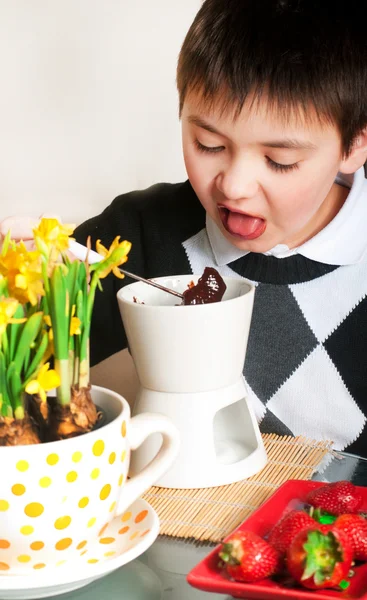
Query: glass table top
[160,573]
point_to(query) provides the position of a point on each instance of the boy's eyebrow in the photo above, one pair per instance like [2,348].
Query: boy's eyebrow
[203,124]
[290,144]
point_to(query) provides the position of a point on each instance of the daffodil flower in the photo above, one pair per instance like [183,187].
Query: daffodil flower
[23,272]
[46,380]
[51,234]
[75,324]
[114,256]
[8,306]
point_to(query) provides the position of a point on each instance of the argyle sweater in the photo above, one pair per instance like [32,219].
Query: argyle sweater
[305,367]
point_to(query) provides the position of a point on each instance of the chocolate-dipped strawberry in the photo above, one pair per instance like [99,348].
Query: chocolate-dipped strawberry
[209,288]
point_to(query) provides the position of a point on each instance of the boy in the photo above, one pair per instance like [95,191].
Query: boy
[273,103]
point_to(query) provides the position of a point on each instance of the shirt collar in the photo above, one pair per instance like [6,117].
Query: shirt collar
[342,242]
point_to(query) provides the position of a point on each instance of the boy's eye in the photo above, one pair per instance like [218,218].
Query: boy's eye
[279,167]
[209,149]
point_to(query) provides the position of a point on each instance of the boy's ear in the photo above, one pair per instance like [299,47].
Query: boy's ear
[357,155]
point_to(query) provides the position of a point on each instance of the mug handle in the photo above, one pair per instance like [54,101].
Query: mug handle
[140,427]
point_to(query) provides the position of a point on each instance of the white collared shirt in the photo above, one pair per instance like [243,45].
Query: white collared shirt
[342,242]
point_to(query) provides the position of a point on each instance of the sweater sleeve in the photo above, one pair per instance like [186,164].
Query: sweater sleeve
[156,221]
[122,217]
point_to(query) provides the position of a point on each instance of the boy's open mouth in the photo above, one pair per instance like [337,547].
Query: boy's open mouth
[241,225]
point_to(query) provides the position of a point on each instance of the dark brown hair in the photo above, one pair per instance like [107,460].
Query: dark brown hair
[301,55]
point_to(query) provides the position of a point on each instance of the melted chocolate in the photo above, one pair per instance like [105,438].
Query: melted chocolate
[209,288]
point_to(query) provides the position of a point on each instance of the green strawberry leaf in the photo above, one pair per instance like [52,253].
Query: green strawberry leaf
[322,554]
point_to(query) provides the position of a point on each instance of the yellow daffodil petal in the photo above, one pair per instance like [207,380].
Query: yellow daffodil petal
[23,272]
[32,387]
[46,380]
[101,249]
[53,235]
[49,380]
[117,273]
[47,320]
[75,326]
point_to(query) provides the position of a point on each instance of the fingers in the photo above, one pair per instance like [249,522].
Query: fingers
[20,226]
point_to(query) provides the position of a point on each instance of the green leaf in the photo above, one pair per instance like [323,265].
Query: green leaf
[72,280]
[14,385]
[37,359]
[29,333]
[5,404]
[322,553]
[60,312]
[344,584]
[15,330]
[5,244]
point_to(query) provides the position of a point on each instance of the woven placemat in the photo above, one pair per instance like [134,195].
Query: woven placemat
[212,513]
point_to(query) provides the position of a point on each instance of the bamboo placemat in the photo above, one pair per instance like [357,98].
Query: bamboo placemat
[212,513]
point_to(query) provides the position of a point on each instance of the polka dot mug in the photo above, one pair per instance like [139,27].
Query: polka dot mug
[56,498]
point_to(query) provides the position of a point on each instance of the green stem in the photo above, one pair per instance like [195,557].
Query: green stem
[84,367]
[63,392]
[84,373]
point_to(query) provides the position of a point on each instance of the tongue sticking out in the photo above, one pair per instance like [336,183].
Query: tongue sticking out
[244,225]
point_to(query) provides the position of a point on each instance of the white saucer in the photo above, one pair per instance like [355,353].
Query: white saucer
[123,540]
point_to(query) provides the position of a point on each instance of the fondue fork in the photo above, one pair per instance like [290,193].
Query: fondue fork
[82,253]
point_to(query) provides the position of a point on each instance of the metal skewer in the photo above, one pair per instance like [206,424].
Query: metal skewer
[81,252]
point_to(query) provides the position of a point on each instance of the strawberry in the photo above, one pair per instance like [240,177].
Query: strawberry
[355,526]
[320,557]
[336,498]
[248,557]
[287,528]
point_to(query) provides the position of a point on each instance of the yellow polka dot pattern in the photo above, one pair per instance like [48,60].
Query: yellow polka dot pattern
[45,482]
[121,534]
[77,457]
[63,544]
[22,466]
[91,522]
[52,459]
[18,489]
[36,551]
[62,522]
[105,492]
[83,502]
[27,530]
[98,448]
[37,545]
[95,473]
[34,509]
[24,558]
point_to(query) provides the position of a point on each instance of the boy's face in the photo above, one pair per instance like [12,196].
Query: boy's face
[263,181]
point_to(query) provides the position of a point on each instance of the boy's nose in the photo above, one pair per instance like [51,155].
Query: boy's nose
[237,182]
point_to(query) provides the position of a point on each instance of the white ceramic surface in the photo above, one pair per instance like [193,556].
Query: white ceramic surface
[189,360]
[187,348]
[123,540]
[56,497]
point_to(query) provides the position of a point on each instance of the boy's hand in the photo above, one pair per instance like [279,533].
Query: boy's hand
[21,228]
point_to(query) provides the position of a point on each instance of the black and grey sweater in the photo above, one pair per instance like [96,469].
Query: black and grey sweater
[306,360]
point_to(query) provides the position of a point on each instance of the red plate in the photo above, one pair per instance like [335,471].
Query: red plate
[206,576]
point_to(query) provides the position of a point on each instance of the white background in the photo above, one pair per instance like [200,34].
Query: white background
[88,103]
[88,110]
